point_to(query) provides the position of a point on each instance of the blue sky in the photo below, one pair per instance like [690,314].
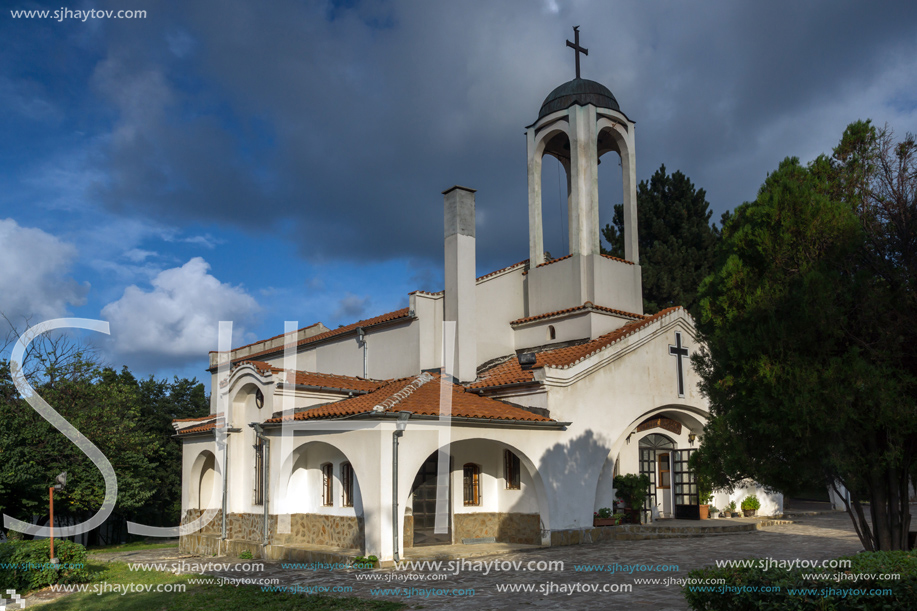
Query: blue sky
[264,162]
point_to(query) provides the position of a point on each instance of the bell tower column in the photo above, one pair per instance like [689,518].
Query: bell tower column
[584,161]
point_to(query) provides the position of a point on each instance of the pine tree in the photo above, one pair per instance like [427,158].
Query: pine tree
[676,239]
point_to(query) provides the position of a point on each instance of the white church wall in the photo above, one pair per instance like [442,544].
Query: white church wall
[771,502]
[488,455]
[499,299]
[553,287]
[195,452]
[305,489]
[617,285]
[394,352]
[428,309]
[603,402]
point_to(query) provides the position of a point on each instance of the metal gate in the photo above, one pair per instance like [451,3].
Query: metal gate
[686,502]
[648,468]
[424,505]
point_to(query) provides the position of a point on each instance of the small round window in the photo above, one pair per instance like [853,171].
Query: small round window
[259,398]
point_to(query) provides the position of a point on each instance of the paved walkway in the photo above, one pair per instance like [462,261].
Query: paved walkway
[812,537]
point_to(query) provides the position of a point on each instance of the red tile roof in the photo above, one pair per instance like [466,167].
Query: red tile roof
[419,395]
[197,429]
[334,381]
[382,318]
[198,419]
[505,269]
[588,306]
[511,372]
[617,259]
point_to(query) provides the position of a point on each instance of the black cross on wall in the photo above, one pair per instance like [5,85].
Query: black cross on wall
[679,352]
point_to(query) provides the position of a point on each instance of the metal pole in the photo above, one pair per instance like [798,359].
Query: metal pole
[395,435]
[51,492]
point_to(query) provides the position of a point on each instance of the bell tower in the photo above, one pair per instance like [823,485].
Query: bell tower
[578,123]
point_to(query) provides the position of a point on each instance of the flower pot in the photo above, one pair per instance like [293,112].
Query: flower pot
[735,514]
[704,511]
[603,521]
[749,513]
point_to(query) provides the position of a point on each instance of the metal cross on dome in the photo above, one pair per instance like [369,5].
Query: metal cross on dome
[679,352]
[576,48]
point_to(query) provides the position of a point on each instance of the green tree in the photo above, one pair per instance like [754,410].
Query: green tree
[809,363]
[676,240]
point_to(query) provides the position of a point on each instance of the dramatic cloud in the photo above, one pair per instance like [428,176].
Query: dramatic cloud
[352,307]
[34,280]
[177,321]
[348,120]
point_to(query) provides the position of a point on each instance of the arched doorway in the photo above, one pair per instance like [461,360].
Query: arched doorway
[424,492]
[655,462]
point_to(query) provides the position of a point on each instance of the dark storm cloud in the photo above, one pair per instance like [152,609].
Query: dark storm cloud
[338,127]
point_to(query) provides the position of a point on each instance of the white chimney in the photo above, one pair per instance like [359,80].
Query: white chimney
[460,303]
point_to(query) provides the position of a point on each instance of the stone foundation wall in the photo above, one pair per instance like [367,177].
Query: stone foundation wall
[504,527]
[407,537]
[306,529]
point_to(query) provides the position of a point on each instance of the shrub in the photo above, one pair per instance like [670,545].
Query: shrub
[368,562]
[30,564]
[632,489]
[845,589]
[751,502]
[245,555]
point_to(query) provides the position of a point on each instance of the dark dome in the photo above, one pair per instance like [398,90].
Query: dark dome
[578,91]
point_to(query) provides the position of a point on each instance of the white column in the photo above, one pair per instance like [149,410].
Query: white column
[584,189]
[536,230]
[629,179]
[460,304]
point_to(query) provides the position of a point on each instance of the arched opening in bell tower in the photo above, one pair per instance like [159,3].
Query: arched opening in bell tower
[555,189]
[610,183]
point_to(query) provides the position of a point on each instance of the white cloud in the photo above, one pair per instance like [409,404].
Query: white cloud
[177,321]
[34,280]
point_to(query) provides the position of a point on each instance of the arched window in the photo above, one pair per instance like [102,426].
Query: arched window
[347,485]
[472,484]
[552,334]
[511,470]
[327,486]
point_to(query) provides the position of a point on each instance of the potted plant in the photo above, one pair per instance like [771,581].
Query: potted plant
[632,489]
[750,505]
[731,510]
[603,517]
[713,512]
[619,518]
[704,496]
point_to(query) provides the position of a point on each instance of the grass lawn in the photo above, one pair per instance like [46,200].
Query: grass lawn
[134,546]
[196,597]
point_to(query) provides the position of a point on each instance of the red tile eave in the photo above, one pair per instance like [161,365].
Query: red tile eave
[588,306]
[198,419]
[422,401]
[403,313]
[510,372]
[197,429]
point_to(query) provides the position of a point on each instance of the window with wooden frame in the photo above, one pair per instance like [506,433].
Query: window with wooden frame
[472,484]
[346,485]
[664,471]
[258,496]
[327,486]
[511,471]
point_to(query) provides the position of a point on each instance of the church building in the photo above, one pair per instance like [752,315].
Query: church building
[499,409]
